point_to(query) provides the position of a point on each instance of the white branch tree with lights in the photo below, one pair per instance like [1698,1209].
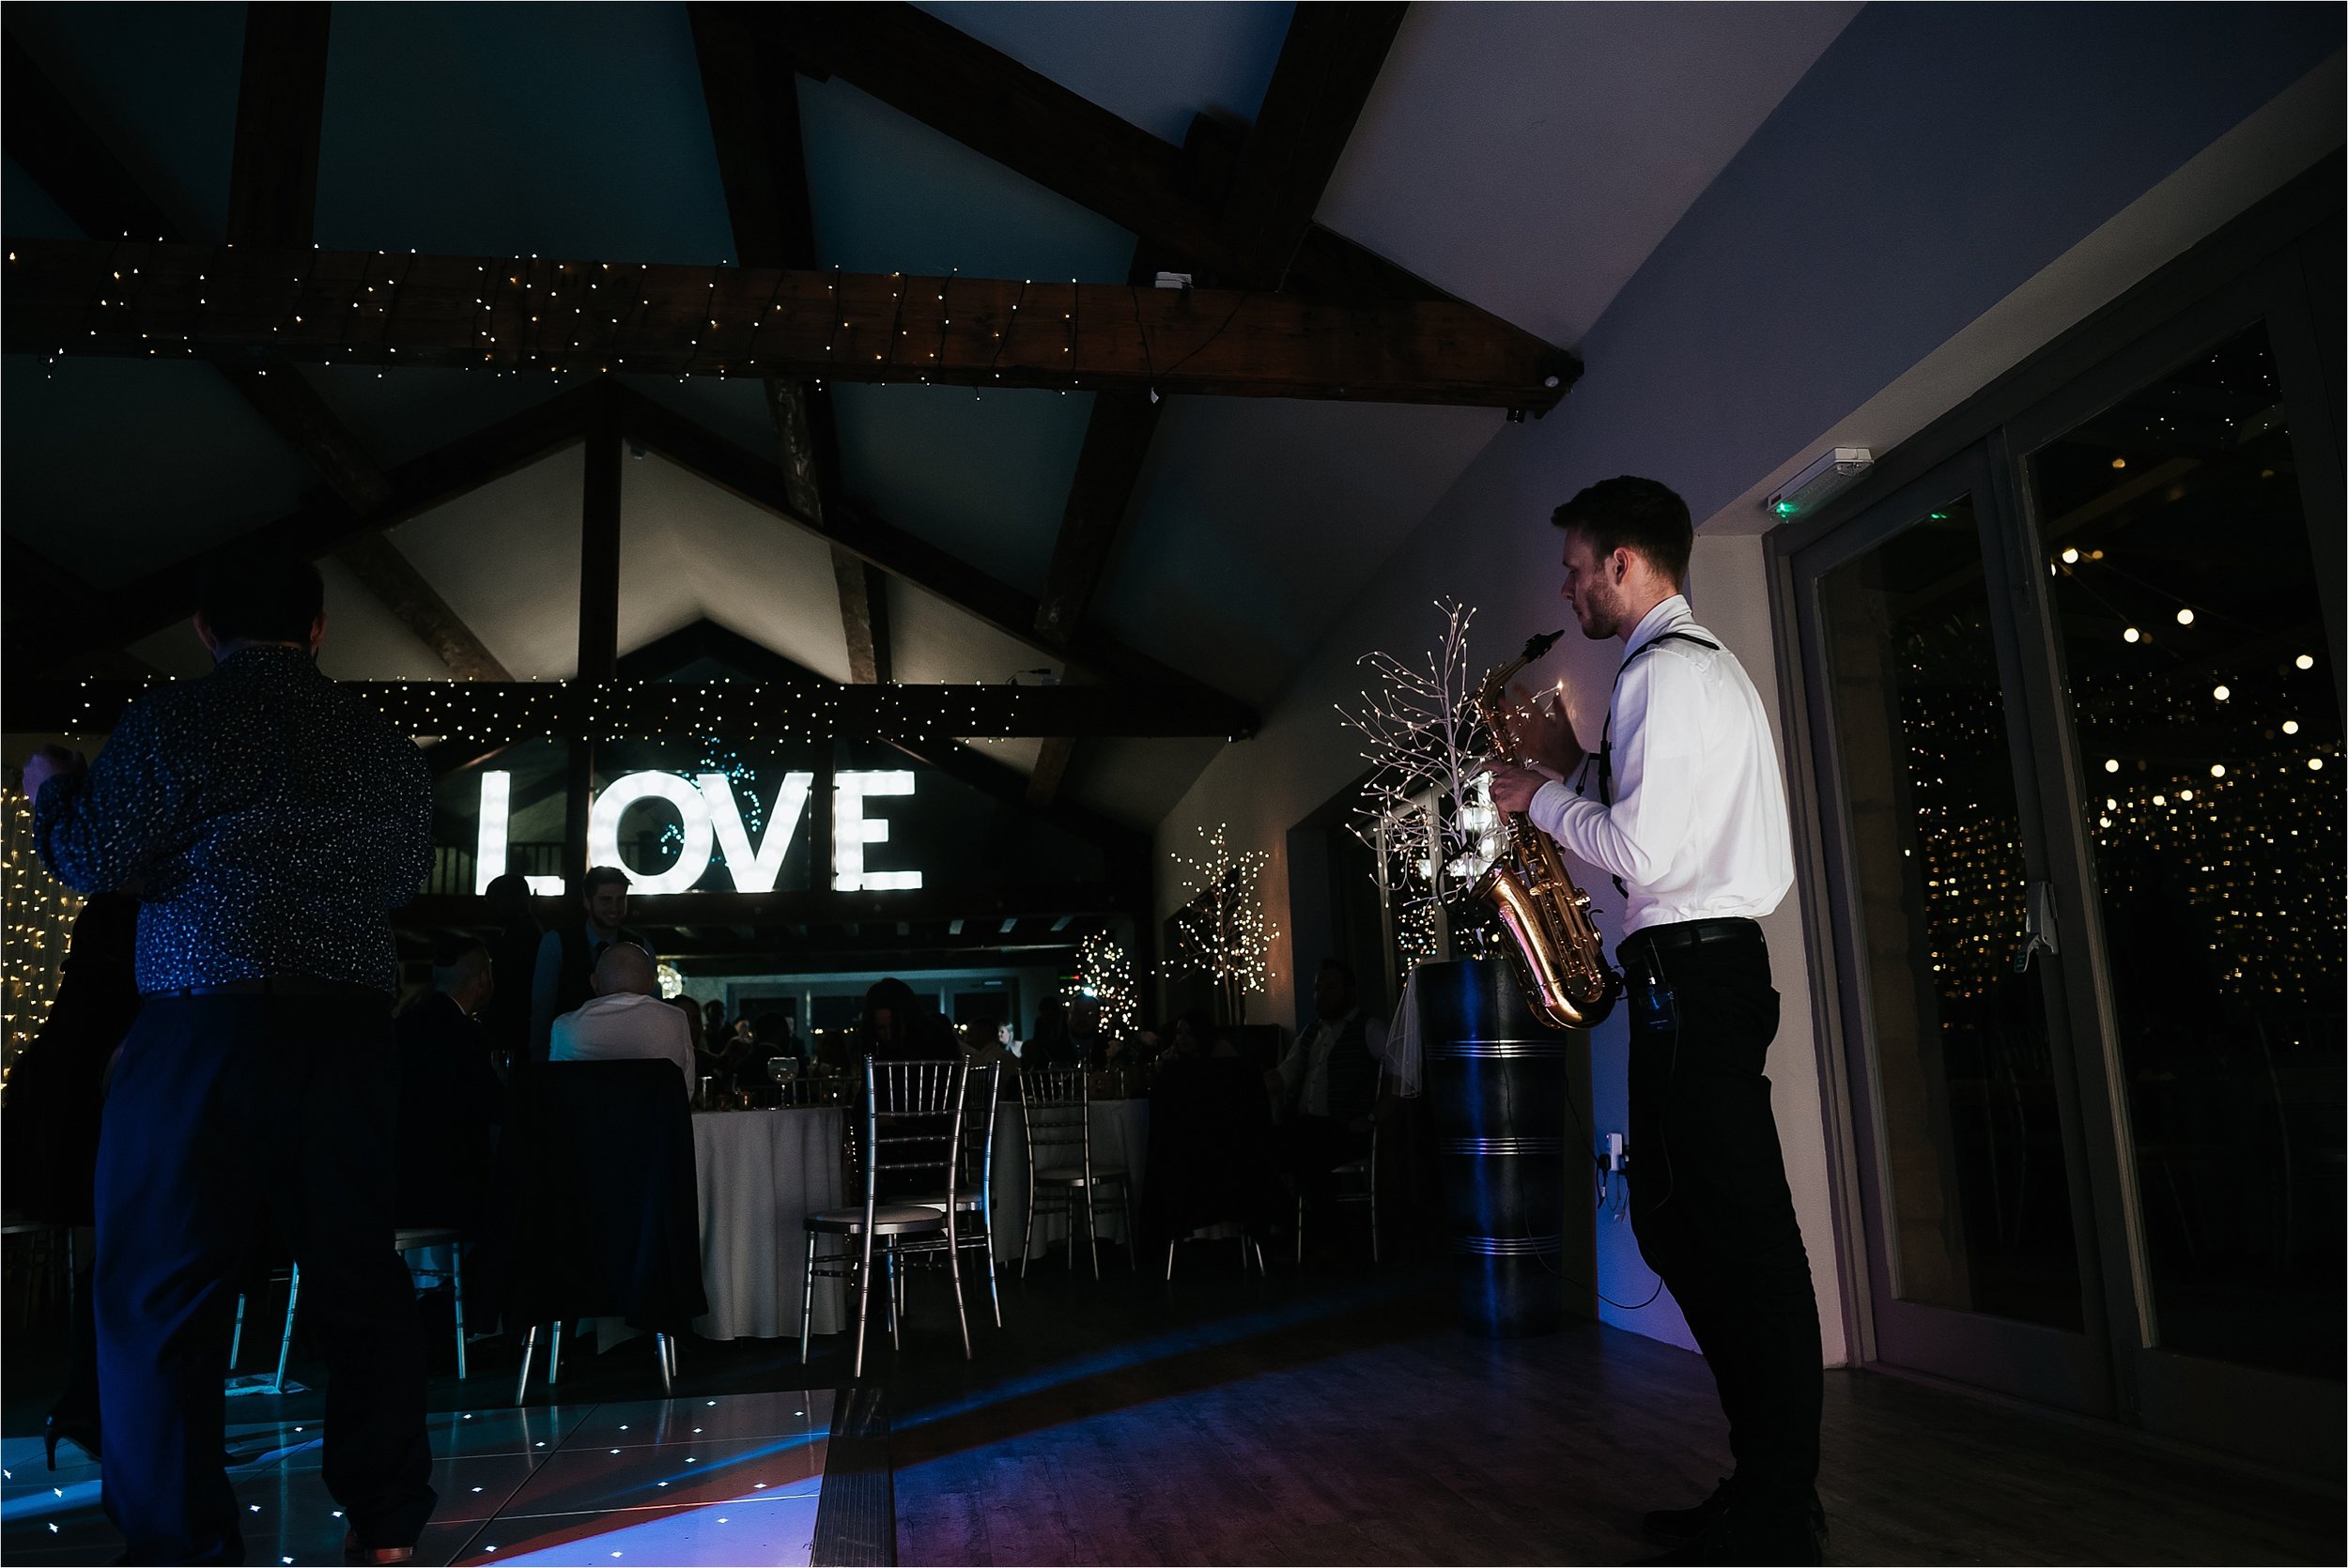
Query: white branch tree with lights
[1104,970]
[1422,805]
[1221,931]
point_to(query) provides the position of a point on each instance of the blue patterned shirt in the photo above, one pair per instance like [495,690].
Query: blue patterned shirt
[270,818]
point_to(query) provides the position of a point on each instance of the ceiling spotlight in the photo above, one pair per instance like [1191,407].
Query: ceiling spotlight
[2217,770]
[2315,764]
[2221,693]
[2118,462]
[2132,635]
[2291,727]
[2160,800]
[2305,661]
[2184,618]
[2111,764]
[2070,557]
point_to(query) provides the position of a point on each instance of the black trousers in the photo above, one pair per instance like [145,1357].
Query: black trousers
[224,1108]
[1709,1198]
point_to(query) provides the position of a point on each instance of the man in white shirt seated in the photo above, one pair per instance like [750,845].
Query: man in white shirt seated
[1329,1084]
[626,1018]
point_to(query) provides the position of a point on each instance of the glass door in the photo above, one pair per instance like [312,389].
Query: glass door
[2196,687]
[1971,1173]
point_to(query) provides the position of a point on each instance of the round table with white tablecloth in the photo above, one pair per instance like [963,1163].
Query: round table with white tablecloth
[1120,1137]
[761,1173]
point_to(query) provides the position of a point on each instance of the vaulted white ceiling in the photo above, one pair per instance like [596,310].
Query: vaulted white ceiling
[1526,158]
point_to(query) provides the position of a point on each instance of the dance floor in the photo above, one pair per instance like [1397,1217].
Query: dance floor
[1328,1415]
[724,1478]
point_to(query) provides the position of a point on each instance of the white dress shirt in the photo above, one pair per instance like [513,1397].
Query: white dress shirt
[1698,830]
[623,1026]
[1307,1060]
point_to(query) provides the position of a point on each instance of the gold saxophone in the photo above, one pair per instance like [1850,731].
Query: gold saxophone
[1554,941]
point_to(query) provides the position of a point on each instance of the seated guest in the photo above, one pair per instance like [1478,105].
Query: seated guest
[1328,1082]
[626,1017]
[450,1101]
[898,1027]
[983,1042]
[1049,1046]
[568,954]
[773,1034]
[714,1029]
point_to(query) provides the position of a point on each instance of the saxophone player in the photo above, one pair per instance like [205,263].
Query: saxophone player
[1683,805]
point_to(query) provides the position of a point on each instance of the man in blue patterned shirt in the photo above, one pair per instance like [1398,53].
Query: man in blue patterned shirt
[269,821]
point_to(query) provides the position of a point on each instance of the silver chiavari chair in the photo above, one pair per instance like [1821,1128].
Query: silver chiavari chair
[975,1198]
[911,1122]
[1055,1113]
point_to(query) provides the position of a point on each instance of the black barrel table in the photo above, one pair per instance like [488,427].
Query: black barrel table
[1501,1083]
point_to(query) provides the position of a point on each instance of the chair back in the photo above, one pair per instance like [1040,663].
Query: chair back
[1055,1113]
[981,1101]
[596,1210]
[912,1123]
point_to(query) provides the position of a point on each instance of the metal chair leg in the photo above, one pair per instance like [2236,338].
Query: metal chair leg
[895,1343]
[1300,1226]
[1170,1259]
[1026,1238]
[807,1299]
[554,1354]
[863,1303]
[284,1346]
[993,1293]
[953,1263]
[456,1292]
[1374,1210]
[1092,1235]
[668,1374]
[530,1345]
[1259,1267]
[235,1341]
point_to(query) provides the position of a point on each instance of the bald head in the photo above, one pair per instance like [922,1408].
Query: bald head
[625,969]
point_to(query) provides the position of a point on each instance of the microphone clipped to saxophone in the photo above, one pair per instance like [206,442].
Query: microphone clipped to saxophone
[1553,940]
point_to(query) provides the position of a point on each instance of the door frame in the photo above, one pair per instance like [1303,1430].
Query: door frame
[2040,1362]
[2284,250]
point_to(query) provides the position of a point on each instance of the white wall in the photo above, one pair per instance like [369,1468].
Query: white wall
[1885,243]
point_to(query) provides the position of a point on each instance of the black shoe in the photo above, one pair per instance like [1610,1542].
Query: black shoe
[1687,1524]
[69,1429]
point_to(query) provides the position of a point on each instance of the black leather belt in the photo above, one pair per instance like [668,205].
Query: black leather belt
[282,985]
[1692,933]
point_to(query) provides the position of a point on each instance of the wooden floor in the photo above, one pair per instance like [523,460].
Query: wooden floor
[1340,1416]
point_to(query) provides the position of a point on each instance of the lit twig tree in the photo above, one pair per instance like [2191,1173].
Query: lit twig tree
[1221,931]
[1424,804]
[1104,970]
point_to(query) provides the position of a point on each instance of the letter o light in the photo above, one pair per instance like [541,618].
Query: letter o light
[603,829]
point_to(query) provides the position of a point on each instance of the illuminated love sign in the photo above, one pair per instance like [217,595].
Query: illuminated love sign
[711,819]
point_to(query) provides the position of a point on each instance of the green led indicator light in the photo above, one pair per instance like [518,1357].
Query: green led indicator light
[1785,509]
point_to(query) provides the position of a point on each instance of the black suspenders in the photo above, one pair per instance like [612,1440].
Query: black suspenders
[1606,744]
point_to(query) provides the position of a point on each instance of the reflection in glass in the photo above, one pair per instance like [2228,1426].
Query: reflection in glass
[1976,1189]
[2206,704]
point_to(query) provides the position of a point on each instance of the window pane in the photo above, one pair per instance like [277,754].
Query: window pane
[2208,711]
[1977,1193]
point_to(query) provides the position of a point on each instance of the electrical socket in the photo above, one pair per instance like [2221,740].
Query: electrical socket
[1614,1152]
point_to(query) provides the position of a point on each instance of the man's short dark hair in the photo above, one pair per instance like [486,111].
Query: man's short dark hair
[1633,513]
[601,876]
[261,597]
[1338,966]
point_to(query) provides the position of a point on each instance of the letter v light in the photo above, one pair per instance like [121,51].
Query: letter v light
[754,871]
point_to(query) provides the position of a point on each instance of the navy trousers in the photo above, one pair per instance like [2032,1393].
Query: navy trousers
[225,1109]
[1711,1205]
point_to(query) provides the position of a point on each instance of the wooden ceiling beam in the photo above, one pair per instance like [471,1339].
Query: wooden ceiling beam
[825,907]
[320,526]
[757,711]
[280,103]
[751,93]
[273,200]
[1019,118]
[270,307]
[905,555]
[1328,64]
